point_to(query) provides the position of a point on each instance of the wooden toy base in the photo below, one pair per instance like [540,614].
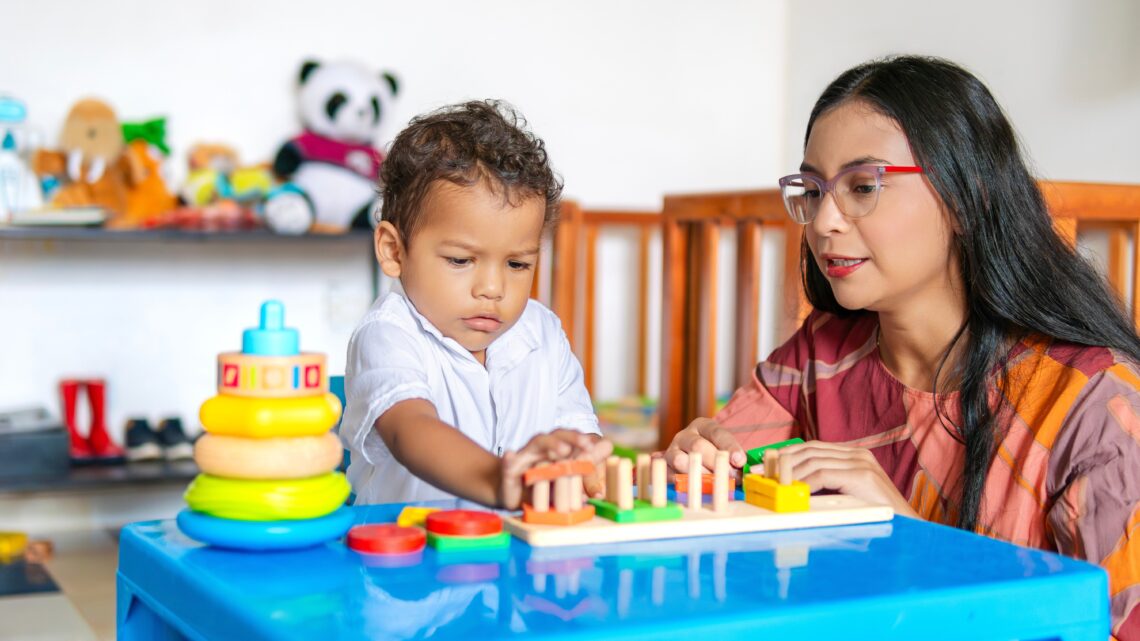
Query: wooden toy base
[738,517]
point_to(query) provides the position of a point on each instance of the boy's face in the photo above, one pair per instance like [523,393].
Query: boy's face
[469,265]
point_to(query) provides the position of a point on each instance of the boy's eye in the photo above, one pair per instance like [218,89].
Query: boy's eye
[518,265]
[458,262]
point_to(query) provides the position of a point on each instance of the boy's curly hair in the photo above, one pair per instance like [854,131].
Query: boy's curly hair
[463,144]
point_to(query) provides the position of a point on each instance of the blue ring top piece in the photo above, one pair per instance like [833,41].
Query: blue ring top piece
[271,337]
[264,535]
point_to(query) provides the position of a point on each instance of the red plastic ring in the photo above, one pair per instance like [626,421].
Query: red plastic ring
[386,539]
[464,523]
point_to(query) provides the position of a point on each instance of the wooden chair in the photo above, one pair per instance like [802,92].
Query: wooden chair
[573,279]
[691,238]
[1114,209]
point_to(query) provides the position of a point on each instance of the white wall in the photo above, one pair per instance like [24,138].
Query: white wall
[1067,72]
[635,100]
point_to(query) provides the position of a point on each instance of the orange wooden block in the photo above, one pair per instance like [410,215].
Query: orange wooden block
[556,470]
[681,482]
[550,517]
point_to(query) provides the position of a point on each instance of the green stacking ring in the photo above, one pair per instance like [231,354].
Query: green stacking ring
[273,500]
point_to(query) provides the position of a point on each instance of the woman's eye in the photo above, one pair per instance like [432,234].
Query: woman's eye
[863,190]
[518,265]
[811,193]
[459,262]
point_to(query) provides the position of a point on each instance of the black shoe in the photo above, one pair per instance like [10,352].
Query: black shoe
[142,441]
[175,445]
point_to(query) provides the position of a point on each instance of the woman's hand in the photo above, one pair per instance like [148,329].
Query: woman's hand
[853,471]
[706,437]
[559,445]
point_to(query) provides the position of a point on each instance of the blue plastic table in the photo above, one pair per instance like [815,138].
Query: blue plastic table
[902,579]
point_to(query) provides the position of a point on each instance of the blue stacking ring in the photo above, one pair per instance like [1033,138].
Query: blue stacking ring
[264,535]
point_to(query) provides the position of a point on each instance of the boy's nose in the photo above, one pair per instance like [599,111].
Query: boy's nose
[489,285]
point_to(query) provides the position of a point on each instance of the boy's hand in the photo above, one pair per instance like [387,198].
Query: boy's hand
[559,445]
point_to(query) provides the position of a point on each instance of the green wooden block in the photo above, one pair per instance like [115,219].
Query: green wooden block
[626,452]
[642,512]
[756,454]
[445,543]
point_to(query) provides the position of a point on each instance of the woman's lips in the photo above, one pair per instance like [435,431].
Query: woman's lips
[842,267]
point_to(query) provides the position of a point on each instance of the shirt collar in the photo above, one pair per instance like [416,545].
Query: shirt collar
[506,350]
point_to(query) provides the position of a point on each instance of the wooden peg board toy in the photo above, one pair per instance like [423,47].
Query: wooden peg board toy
[566,479]
[620,518]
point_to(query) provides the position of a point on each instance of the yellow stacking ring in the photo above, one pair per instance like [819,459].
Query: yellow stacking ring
[294,457]
[246,500]
[266,417]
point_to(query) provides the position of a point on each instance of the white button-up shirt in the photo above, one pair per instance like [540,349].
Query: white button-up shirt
[532,384]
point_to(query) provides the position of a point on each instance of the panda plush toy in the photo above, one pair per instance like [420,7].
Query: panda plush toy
[331,169]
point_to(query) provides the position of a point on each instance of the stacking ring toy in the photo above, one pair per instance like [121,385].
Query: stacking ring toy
[265,417]
[294,457]
[276,500]
[264,535]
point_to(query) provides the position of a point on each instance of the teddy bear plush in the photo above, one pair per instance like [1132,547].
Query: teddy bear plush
[331,168]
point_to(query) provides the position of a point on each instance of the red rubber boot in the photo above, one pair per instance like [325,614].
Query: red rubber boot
[68,391]
[102,447]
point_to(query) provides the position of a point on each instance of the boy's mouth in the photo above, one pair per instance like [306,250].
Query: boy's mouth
[485,323]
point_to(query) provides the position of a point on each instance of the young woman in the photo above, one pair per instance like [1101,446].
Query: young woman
[962,364]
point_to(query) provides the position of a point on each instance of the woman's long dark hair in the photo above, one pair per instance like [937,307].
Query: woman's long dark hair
[1020,277]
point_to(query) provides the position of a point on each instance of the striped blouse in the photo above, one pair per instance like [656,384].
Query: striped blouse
[1066,476]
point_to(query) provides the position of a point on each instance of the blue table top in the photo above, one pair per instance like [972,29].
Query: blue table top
[900,579]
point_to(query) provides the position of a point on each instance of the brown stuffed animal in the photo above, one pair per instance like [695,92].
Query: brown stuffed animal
[91,159]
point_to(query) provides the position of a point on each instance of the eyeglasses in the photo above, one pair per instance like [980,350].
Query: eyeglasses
[856,191]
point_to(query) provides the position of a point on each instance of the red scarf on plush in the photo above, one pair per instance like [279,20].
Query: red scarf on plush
[357,157]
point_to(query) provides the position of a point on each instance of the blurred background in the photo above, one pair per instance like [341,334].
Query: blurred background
[635,100]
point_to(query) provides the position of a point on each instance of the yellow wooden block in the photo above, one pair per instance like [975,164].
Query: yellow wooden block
[414,516]
[764,492]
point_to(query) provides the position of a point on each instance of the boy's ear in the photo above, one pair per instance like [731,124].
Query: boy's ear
[389,249]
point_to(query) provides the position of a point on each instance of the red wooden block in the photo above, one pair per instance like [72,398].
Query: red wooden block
[386,539]
[464,523]
[550,517]
[557,470]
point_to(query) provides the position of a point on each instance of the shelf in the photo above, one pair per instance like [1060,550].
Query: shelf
[173,235]
[109,476]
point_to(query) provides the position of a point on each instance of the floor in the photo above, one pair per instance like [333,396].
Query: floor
[79,606]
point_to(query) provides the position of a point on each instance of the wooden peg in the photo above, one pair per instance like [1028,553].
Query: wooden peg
[540,496]
[575,492]
[657,482]
[612,479]
[562,494]
[625,484]
[643,477]
[720,482]
[696,471]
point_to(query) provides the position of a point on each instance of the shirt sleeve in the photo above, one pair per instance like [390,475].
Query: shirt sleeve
[1094,477]
[764,410]
[385,366]
[574,409]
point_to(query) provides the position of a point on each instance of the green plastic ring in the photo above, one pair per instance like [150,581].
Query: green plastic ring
[275,500]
